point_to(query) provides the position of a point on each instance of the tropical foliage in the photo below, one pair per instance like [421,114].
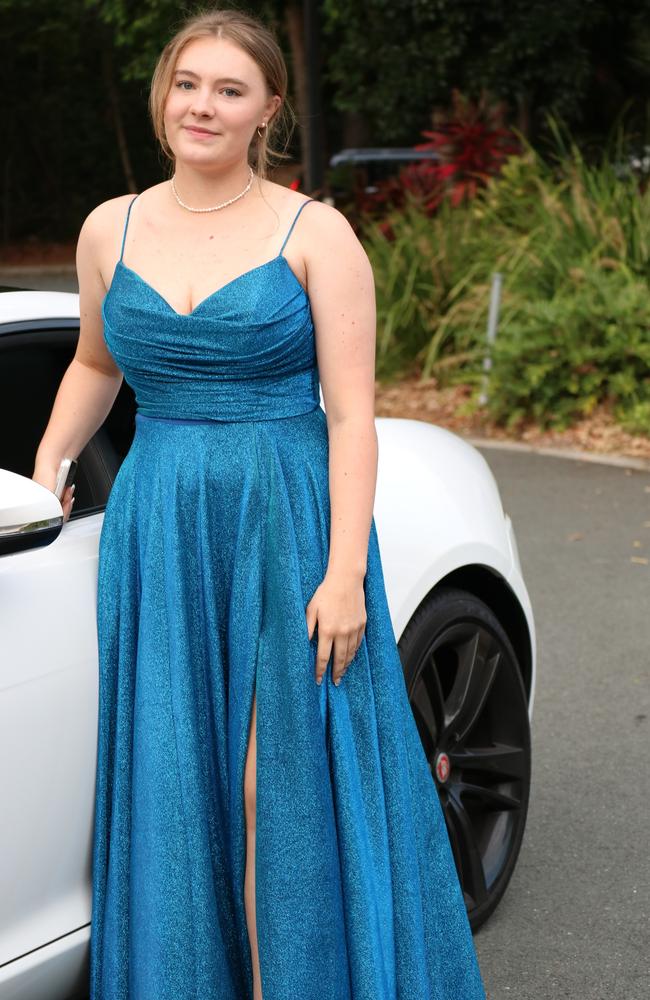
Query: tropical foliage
[572,242]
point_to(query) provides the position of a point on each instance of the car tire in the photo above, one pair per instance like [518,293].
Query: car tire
[465,689]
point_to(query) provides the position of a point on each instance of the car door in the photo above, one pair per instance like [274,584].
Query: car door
[48,658]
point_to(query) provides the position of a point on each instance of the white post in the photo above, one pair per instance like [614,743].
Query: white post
[493,321]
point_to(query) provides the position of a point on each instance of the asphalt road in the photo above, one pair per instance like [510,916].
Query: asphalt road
[574,919]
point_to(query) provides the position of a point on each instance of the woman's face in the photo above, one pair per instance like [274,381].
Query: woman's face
[218,87]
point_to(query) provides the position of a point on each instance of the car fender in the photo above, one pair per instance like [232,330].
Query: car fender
[437,508]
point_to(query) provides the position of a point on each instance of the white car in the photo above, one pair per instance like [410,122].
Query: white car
[459,608]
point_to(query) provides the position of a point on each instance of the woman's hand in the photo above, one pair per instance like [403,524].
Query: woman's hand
[338,606]
[67,502]
[47,478]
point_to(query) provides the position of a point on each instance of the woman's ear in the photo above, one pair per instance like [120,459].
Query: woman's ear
[272,107]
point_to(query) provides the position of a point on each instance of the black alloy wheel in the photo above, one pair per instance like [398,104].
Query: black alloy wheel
[465,689]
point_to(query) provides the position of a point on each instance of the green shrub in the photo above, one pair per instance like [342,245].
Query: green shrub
[556,358]
[572,241]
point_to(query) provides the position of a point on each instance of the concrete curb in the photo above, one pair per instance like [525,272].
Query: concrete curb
[623,461]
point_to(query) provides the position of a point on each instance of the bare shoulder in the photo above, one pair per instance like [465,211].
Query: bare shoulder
[98,245]
[330,231]
[330,242]
[107,219]
[99,232]
[98,248]
[319,219]
[104,217]
[328,220]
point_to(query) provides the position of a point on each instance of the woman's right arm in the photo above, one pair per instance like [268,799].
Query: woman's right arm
[92,380]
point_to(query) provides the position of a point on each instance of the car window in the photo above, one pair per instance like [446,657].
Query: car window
[32,364]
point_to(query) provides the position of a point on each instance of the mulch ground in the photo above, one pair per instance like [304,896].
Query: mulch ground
[425,400]
[34,253]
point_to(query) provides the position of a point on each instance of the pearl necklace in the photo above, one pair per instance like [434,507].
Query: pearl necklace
[216,207]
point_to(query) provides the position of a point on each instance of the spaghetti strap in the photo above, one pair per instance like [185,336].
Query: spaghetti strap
[293,224]
[126,225]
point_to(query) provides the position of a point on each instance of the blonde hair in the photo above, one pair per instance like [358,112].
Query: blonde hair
[251,35]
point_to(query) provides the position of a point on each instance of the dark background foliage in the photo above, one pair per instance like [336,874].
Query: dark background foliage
[75,77]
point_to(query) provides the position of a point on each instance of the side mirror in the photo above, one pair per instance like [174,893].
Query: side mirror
[30,514]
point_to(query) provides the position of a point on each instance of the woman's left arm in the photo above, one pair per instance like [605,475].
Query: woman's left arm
[341,291]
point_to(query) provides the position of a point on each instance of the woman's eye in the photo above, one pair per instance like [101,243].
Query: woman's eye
[181,84]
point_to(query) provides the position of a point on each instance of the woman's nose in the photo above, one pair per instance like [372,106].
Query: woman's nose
[202,103]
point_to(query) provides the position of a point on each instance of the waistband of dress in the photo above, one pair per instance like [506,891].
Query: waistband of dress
[200,400]
[147,417]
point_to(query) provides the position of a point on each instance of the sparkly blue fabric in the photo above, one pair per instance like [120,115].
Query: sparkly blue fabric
[214,539]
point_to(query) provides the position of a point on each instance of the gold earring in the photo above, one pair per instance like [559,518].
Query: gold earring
[261,134]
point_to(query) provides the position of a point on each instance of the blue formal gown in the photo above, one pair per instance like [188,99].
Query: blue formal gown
[215,537]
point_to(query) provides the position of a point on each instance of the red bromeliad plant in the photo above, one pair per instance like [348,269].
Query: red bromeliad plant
[424,180]
[472,145]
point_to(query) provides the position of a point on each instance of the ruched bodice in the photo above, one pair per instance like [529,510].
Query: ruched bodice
[245,352]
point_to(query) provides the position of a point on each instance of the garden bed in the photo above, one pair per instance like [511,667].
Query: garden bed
[425,400]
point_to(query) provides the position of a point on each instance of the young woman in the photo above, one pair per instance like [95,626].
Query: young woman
[266,823]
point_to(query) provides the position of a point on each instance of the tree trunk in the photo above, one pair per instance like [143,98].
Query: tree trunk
[295,33]
[355,130]
[112,91]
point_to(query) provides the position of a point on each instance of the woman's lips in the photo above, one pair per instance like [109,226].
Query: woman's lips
[199,133]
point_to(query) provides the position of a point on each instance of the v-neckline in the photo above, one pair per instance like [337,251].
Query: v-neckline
[213,294]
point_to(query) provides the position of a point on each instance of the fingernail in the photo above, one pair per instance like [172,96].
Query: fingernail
[72,489]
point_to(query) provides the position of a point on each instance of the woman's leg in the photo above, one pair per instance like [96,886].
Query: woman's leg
[249,878]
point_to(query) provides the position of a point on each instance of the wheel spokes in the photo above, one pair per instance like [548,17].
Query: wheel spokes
[490,798]
[500,762]
[427,707]
[465,849]
[472,685]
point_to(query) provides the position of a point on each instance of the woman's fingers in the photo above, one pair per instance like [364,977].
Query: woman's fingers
[322,656]
[67,501]
[347,642]
[341,647]
[350,644]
